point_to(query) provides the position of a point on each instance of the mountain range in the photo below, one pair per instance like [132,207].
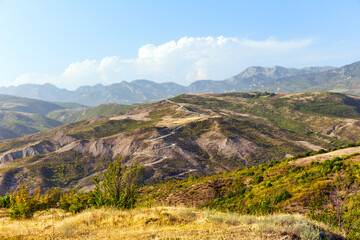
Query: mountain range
[276,79]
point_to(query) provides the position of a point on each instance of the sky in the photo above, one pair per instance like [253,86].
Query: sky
[70,43]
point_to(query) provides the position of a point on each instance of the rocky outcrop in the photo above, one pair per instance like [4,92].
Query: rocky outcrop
[41,147]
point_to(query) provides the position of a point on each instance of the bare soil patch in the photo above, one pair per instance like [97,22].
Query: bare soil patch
[309,145]
[139,116]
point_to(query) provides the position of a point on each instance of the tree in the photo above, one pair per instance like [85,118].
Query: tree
[119,187]
[345,204]
[97,197]
[338,204]
[21,204]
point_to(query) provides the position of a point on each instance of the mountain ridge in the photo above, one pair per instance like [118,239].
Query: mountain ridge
[141,90]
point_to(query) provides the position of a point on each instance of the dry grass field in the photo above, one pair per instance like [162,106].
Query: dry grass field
[327,156]
[156,223]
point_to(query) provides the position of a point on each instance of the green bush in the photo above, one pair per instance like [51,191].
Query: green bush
[119,187]
[73,202]
[284,195]
[5,201]
[258,179]
[21,204]
[266,206]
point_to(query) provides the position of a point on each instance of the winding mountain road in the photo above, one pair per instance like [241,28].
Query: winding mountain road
[161,158]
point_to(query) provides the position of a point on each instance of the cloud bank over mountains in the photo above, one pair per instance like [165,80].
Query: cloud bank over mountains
[182,61]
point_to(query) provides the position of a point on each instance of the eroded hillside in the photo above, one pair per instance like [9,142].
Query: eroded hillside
[190,135]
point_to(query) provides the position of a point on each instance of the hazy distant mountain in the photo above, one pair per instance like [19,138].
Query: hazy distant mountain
[46,92]
[345,79]
[21,116]
[252,79]
[124,92]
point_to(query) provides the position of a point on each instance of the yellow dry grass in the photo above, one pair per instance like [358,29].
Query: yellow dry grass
[169,121]
[325,156]
[153,223]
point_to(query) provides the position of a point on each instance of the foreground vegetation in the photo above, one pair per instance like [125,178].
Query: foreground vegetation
[159,223]
[118,188]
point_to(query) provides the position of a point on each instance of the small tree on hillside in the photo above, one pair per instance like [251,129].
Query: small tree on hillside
[119,187]
[345,204]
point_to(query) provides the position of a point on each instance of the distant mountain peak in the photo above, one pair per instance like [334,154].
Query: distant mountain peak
[254,78]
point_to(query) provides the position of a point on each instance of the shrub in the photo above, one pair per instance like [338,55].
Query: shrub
[119,187]
[266,206]
[284,195]
[120,184]
[250,173]
[73,202]
[5,201]
[21,205]
[258,179]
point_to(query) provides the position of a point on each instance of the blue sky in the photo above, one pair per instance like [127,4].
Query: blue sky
[84,42]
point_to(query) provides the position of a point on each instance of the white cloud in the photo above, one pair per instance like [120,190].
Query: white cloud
[182,61]
[33,78]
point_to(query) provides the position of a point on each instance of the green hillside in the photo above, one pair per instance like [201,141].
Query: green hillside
[17,124]
[27,105]
[70,105]
[23,116]
[317,189]
[81,113]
